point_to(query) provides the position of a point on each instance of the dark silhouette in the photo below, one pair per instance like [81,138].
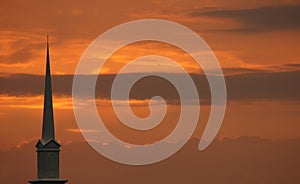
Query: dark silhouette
[48,146]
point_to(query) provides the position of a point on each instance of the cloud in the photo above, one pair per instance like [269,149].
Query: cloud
[66,19]
[18,49]
[245,85]
[22,55]
[244,160]
[258,19]
[293,65]
[76,130]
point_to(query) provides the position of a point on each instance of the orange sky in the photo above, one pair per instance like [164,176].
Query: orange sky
[253,40]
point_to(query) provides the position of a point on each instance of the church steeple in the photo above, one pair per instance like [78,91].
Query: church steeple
[48,147]
[48,122]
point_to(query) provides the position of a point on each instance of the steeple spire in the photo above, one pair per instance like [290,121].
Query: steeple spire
[48,122]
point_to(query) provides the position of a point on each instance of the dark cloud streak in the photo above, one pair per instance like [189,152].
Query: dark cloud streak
[248,86]
[259,19]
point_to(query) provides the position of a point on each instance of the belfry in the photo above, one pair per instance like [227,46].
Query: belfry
[48,147]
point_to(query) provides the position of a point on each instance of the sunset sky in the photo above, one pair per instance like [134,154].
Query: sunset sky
[256,43]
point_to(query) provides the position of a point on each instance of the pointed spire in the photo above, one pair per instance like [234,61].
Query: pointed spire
[48,123]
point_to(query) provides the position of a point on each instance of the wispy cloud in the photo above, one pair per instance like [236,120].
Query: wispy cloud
[74,130]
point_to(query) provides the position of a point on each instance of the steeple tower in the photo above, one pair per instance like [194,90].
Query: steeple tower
[48,147]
